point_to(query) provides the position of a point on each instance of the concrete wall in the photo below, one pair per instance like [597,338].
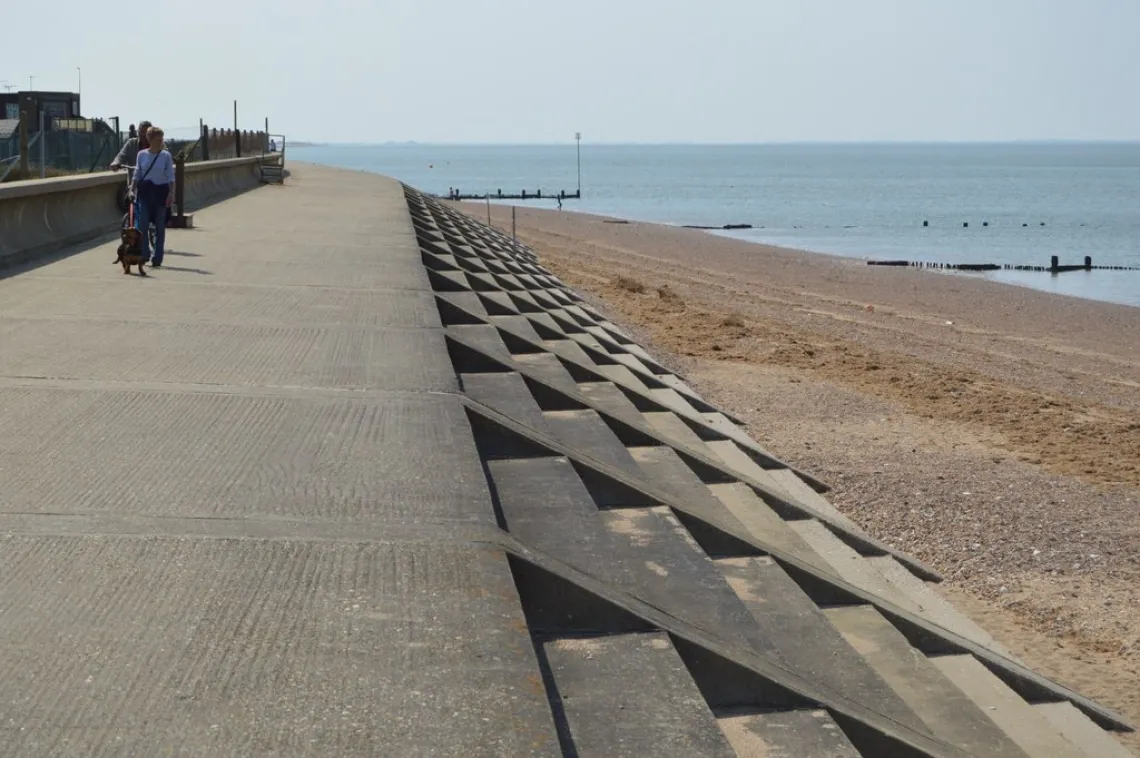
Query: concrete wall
[44,216]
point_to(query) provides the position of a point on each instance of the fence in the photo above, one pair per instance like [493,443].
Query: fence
[71,146]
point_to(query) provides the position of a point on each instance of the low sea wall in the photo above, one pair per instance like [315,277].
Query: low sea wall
[43,216]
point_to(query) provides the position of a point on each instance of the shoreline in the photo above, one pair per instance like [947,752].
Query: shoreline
[988,430]
[725,234]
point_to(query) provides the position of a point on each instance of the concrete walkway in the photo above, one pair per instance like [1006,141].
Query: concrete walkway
[240,510]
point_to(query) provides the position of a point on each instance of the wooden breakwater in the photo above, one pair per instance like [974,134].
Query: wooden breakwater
[1054,266]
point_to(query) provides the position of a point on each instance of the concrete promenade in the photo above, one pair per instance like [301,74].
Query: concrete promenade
[240,514]
[353,475]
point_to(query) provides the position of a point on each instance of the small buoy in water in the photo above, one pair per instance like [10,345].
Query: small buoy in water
[985,223]
[926,223]
[1042,223]
[1025,224]
[965,224]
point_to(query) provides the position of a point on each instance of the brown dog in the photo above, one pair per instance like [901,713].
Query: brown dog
[130,250]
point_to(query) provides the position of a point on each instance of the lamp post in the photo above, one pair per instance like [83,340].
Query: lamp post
[31,83]
[578,139]
[79,77]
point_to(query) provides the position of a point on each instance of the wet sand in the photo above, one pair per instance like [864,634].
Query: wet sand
[991,430]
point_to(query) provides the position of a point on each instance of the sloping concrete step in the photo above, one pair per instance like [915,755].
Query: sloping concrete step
[949,713]
[662,466]
[671,426]
[607,397]
[678,384]
[786,734]
[586,431]
[508,394]
[766,525]
[621,375]
[670,398]
[589,340]
[571,350]
[806,641]
[1028,727]
[935,607]
[801,492]
[847,563]
[548,368]
[633,362]
[1079,730]
[630,696]
[643,551]
[740,462]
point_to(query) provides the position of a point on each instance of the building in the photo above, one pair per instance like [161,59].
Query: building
[54,105]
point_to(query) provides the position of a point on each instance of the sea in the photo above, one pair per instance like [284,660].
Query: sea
[1011,203]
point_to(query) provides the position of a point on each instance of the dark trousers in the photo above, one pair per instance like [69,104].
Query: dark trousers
[152,210]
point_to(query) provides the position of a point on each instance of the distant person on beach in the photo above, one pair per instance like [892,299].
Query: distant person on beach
[560,203]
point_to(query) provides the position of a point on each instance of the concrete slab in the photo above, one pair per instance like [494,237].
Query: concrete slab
[1029,728]
[130,646]
[1081,732]
[806,641]
[786,734]
[766,525]
[586,431]
[629,696]
[949,713]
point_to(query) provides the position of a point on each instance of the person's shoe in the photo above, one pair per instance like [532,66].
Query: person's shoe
[156,264]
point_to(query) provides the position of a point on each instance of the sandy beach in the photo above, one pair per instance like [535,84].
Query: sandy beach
[991,430]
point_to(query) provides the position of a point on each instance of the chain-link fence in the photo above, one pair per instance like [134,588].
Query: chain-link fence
[72,146]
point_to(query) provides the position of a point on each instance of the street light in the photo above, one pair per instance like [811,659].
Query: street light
[79,74]
[578,139]
[31,83]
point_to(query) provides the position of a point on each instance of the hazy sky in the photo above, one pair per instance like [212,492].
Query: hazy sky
[618,70]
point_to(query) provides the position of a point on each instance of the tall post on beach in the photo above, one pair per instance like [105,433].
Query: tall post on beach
[488,196]
[578,139]
[514,233]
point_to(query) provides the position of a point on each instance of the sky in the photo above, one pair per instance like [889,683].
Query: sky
[652,71]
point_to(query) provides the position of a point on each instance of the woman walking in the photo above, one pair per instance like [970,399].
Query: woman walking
[154,179]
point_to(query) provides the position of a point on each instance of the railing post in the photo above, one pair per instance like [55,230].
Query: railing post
[180,187]
[25,171]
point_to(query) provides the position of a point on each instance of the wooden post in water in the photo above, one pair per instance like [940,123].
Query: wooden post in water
[1088,263]
[1054,263]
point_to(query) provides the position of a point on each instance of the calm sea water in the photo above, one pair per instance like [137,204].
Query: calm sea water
[866,201]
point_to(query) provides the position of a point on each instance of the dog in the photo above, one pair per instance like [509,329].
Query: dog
[130,250]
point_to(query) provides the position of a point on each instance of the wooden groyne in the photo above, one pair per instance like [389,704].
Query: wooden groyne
[455,194]
[1054,266]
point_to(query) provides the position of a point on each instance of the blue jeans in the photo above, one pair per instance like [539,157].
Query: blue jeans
[152,210]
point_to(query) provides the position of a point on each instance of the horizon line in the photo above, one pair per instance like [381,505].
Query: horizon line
[700,143]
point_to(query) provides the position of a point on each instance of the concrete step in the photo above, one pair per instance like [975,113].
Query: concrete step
[1079,730]
[804,639]
[508,394]
[850,565]
[786,734]
[740,462]
[587,432]
[1028,727]
[619,374]
[935,607]
[766,525]
[946,710]
[630,696]
[670,425]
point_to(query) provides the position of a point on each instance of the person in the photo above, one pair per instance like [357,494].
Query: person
[129,152]
[153,183]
